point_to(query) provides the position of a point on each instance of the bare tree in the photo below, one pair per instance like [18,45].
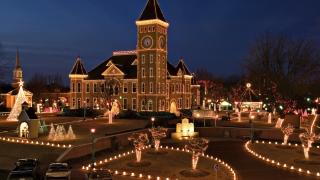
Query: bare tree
[289,65]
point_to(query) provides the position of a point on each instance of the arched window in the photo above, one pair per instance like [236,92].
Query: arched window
[143,105]
[150,105]
[79,87]
[116,90]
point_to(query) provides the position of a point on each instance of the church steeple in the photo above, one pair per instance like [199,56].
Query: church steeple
[152,11]
[17,72]
[18,66]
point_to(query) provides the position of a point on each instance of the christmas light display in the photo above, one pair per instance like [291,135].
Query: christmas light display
[17,107]
[307,138]
[197,146]
[157,134]
[139,140]
[287,131]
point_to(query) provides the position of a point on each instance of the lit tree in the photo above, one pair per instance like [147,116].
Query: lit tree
[287,131]
[157,134]
[307,138]
[140,140]
[17,107]
[197,146]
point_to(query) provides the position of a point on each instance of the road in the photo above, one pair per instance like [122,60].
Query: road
[247,166]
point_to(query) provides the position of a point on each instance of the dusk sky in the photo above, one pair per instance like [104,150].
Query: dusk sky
[212,34]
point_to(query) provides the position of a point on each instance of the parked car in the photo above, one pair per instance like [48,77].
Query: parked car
[26,169]
[58,171]
[99,175]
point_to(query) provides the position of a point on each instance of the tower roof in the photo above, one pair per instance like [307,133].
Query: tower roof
[183,67]
[152,11]
[78,68]
[18,66]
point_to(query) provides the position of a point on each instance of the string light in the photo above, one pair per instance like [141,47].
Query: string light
[134,174]
[37,143]
[279,164]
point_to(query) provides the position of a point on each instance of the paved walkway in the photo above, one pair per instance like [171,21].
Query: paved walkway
[247,166]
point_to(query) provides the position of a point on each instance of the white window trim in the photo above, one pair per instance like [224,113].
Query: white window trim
[132,100]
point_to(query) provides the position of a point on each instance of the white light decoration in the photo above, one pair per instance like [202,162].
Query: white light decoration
[197,146]
[277,163]
[184,130]
[307,138]
[287,131]
[36,143]
[140,140]
[157,134]
[148,176]
[17,107]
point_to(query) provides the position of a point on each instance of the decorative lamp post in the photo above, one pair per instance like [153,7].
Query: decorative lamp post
[152,122]
[93,131]
[251,127]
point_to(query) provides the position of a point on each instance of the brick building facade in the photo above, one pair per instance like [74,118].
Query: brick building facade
[139,80]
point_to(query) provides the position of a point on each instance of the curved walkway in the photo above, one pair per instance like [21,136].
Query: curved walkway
[247,166]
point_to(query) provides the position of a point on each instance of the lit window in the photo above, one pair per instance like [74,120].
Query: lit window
[143,105]
[151,87]
[79,87]
[95,88]
[143,73]
[151,72]
[134,87]
[150,105]
[88,88]
[125,88]
[142,59]
[142,87]
[151,58]
[134,104]
[125,103]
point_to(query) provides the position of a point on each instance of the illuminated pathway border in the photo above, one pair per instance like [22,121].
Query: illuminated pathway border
[146,176]
[277,163]
[33,142]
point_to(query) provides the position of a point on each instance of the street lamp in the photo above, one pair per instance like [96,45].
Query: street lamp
[152,122]
[251,127]
[93,131]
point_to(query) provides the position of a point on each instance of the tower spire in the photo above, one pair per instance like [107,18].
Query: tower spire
[151,11]
[17,60]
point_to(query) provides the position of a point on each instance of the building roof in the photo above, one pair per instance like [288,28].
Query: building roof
[78,68]
[152,11]
[123,62]
[183,67]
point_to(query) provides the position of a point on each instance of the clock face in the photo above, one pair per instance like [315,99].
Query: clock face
[162,42]
[147,42]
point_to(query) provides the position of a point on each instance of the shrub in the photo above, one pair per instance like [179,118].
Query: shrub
[80,112]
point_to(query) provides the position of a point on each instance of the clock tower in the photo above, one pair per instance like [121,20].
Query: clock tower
[152,29]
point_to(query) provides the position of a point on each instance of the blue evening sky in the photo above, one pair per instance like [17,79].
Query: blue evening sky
[212,34]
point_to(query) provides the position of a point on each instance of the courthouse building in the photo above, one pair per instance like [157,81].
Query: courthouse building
[142,79]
